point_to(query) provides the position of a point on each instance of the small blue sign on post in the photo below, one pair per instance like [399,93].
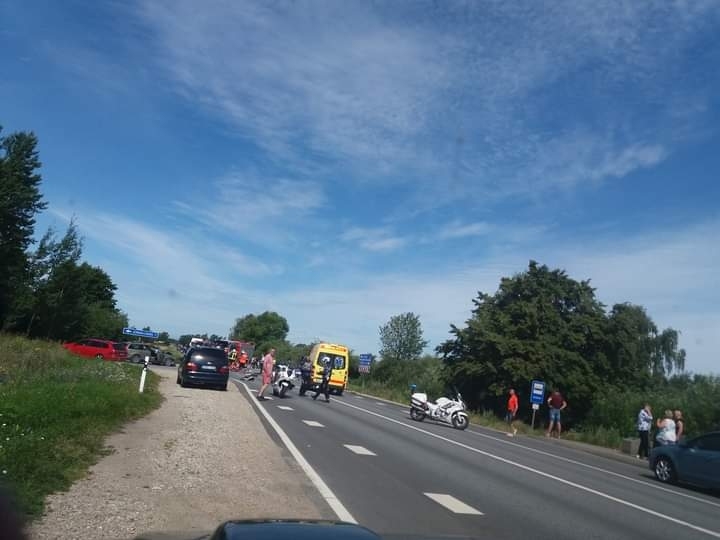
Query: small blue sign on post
[365,362]
[537,392]
[537,396]
[140,333]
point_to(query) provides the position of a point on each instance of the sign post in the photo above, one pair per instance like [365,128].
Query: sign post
[140,333]
[537,396]
[144,374]
[364,366]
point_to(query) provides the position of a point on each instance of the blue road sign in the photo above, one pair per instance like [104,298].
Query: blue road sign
[537,392]
[365,362]
[140,333]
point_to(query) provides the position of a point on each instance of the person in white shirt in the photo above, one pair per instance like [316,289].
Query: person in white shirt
[644,422]
[666,427]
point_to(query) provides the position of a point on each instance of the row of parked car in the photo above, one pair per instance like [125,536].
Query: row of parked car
[120,351]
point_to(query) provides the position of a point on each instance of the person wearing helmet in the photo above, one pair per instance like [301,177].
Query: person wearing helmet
[325,384]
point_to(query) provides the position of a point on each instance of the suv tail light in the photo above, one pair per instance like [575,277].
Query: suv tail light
[224,370]
[192,366]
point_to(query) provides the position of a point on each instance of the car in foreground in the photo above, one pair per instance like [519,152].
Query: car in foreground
[695,461]
[206,366]
[98,348]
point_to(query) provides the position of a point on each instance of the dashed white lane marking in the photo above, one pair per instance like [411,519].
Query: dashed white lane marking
[453,504]
[360,450]
[285,408]
[340,511]
[606,496]
[313,423]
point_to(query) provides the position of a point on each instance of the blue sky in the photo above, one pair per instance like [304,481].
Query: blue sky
[342,162]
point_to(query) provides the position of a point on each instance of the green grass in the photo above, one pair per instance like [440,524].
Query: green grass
[598,436]
[56,411]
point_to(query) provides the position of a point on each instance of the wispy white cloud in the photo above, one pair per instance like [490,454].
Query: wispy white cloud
[374,239]
[167,281]
[456,229]
[258,209]
[394,95]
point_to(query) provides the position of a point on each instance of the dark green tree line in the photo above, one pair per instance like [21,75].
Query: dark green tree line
[46,292]
[541,324]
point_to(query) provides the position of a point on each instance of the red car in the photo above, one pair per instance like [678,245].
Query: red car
[98,348]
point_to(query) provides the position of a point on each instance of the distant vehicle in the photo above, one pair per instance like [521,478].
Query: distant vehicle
[136,352]
[205,366]
[222,344]
[696,461]
[163,358]
[98,348]
[337,355]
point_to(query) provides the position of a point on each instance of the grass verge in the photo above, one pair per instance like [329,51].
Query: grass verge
[598,436]
[56,410]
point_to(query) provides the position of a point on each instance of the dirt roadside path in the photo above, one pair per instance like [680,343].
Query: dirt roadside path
[203,457]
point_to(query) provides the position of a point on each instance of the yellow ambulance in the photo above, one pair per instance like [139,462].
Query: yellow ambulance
[339,357]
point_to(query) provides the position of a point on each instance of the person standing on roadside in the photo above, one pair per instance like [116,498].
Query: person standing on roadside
[268,363]
[644,421]
[666,426]
[512,410]
[679,425]
[557,404]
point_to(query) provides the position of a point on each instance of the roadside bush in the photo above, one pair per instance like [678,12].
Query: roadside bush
[696,396]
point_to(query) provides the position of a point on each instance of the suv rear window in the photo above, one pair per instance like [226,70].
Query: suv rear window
[119,346]
[210,354]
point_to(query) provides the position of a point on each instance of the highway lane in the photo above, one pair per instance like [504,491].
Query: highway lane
[421,475]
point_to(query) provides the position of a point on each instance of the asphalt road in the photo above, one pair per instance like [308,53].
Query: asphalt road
[420,479]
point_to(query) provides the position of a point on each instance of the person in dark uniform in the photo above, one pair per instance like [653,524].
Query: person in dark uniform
[306,375]
[325,384]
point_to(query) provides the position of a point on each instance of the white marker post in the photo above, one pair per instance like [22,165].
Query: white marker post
[144,374]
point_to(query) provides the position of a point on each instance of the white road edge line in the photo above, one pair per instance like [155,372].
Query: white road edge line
[360,450]
[598,469]
[453,504]
[677,521]
[325,492]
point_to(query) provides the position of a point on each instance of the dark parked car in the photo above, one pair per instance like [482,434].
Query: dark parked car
[696,461]
[206,366]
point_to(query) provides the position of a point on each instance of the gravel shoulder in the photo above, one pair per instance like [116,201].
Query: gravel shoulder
[203,457]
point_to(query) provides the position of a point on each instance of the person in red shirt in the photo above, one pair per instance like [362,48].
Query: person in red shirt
[512,410]
[556,403]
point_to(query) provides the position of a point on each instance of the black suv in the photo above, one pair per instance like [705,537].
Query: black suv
[207,366]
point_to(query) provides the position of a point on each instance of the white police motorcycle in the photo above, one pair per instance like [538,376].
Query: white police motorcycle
[283,380]
[446,410]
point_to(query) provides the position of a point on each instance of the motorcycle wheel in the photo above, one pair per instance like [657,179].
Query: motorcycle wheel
[416,414]
[460,421]
[283,389]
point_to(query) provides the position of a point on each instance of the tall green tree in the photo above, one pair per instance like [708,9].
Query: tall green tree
[20,201]
[540,324]
[265,330]
[638,353]
[401,338]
